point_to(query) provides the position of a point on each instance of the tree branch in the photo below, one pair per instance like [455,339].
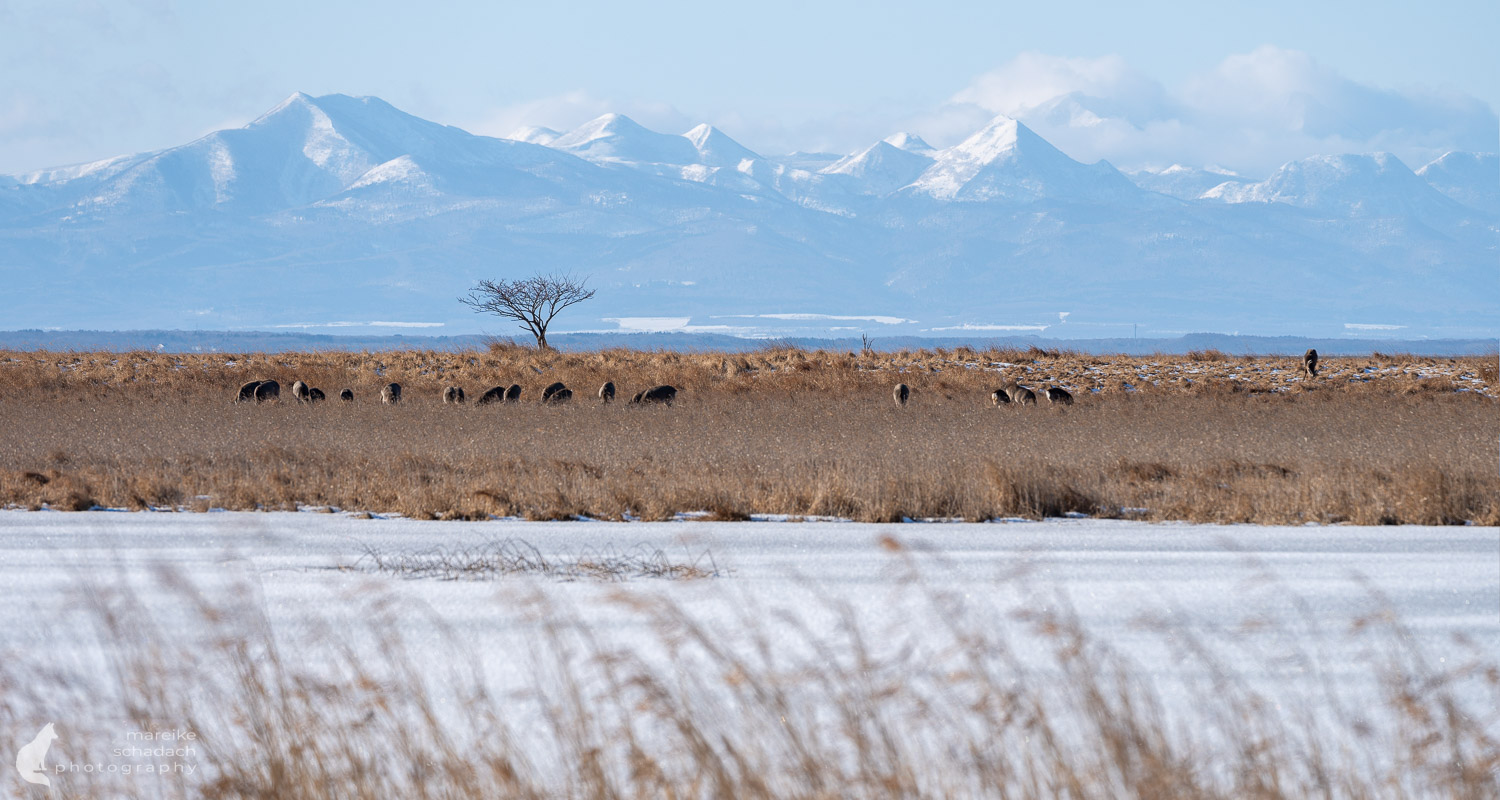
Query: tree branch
[533,302]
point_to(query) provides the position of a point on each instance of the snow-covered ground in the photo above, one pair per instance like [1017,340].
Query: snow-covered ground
[1277,603]
[1441,580]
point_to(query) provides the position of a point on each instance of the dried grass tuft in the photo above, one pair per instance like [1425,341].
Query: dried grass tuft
[1023,703]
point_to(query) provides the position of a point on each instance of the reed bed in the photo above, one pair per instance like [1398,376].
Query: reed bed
[1207,437]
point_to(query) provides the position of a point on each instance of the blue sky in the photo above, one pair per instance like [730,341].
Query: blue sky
[1240,84]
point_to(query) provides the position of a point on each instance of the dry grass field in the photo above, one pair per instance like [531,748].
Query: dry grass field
[1207,437]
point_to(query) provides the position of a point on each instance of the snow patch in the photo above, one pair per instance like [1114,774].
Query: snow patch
[350,324]
[883,320]
[971,326]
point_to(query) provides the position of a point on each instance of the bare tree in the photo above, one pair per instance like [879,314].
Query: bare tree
[533,301]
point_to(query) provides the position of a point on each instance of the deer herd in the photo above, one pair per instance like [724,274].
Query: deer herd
[559,394]
[261,391]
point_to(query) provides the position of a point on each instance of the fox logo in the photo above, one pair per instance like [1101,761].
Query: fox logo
[29,761]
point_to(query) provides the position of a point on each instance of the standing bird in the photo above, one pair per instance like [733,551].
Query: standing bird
[901,394]
[390,394]
[607,392]
[1056,394]
[1310,363]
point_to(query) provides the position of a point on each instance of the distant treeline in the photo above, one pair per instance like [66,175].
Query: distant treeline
[262,341]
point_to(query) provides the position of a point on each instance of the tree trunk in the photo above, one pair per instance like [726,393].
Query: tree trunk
[541,340]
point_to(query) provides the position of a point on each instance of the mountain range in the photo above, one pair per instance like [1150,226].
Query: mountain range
[342,212]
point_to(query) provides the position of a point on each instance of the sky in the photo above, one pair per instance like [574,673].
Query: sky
[1241,85]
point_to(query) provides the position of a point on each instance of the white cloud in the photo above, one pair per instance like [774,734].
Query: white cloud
[1032,79]
[566,111]
[1252,111]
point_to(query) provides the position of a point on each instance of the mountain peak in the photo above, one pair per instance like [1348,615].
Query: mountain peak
[616,137]
[910,142]
[1184,182]
[1002,138]
[295,100]
[1005,160]
[601,127]
[701,133]
[534,134]
[716,148]
[1470,178]
[881,168]
[1359,185]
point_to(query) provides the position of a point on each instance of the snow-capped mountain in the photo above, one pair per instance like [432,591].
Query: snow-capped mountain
[881,168]
[910,142]
[1182,182]
[716,149]
[332,210]
[1376,185]
[1470,178]
[304,152]
[1006,162]
[534,134]
[616,137]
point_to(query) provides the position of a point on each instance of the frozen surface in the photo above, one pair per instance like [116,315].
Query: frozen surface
[1274,604]
[1441,581]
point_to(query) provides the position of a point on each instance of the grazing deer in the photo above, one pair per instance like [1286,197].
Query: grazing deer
[552,388]
[453,395]
[495,394]
[1021,395]
[267,390]
[513,394]
[1057,394]
[557,398]
[663,394]
[247,392]
[999,397]
[315,395]
[901,394]
[390,394]
[300,391]
[346,395]
[1310,363]
[607,392]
